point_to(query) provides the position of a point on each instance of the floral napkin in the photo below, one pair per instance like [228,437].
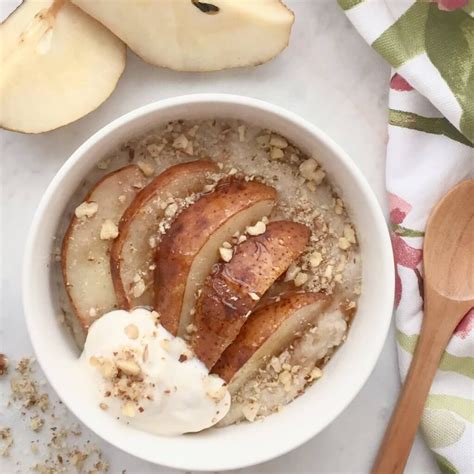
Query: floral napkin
[430,46]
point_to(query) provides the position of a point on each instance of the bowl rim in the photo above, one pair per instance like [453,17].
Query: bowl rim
[386,257]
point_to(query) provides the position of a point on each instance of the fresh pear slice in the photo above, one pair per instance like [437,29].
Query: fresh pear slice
[57,65]
[267,332]
[232,290]
[86,244]
[191,246]
[189,35]
[132,254]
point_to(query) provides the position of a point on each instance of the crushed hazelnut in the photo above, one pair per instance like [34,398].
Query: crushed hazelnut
[349,234]
[250,411]
[226,254]
[315,259]
[103,406]
[86,209]
[343,243]
[226,245]
[109,230]
[278,142]
[139,287]
[257,229]
[254,296]
[316,373]
[128,367]
[292,272]
[146,168]
[275,364]
[36,423]
[276,153]
[301,279]
[180,142]
[171,209]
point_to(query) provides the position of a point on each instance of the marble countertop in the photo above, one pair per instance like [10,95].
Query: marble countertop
[329,76]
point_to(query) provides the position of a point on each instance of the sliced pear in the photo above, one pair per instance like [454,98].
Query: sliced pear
[85,255]
[267,332]
[233,289]
[58,64]
[189,35]
[132,253]
[191,246]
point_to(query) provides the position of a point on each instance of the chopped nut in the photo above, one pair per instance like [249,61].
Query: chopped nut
[263,141]
[343,243]
[107,369]
[180,142]
[128,409]
[307,168]
[292,271]
[138,288]
[257,229]
[122,198]
[152,242]
[278,142]
[36,423]
[316,373]
[86,209]
[154,150]
[328,272]
[132,331]
[276,153]
[103,406]
[171,209]
[242,238]
[109,230]
[301,279]
[349,234]
[146,168]
[319,176]
[192,131]
[128,367]
[275,364]
[250,411]
[191,328]
[226,254]
[232,171]
[226,245]
[285,379]
[311,185]
[315,259]
[254,296]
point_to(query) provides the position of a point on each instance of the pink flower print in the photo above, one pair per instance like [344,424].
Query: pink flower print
[398,287]
[405,255]
[398,208]
[398,83]
[466,325]
[450,5]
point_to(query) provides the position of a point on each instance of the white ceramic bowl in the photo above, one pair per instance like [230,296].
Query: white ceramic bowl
[244,444]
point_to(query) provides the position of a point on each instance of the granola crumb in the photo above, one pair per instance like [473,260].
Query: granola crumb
[86,210]
[109,230]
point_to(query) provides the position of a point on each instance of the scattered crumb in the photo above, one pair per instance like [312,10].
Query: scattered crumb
[109,230]
[86,209]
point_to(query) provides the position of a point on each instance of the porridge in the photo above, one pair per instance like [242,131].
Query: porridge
[239,248]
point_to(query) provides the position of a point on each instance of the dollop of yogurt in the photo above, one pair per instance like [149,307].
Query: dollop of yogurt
[148,378]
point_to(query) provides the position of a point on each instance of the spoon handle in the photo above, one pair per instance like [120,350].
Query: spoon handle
[437,329]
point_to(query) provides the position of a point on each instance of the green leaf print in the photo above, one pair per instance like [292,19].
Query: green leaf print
[449,42]
[461,406]
[441,428]
[348,4]
[405,39]
[444,465]
[405,231]
[449,362]
[435,125]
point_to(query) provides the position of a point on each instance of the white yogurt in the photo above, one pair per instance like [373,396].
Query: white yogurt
[148,378]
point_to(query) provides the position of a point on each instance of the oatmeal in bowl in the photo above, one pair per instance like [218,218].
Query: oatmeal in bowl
[210,264]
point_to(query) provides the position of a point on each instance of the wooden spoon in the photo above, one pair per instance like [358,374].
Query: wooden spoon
[449,294]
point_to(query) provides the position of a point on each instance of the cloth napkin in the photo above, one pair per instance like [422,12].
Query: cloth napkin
[430,46]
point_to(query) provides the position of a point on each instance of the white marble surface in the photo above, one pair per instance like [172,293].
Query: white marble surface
[329,76]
